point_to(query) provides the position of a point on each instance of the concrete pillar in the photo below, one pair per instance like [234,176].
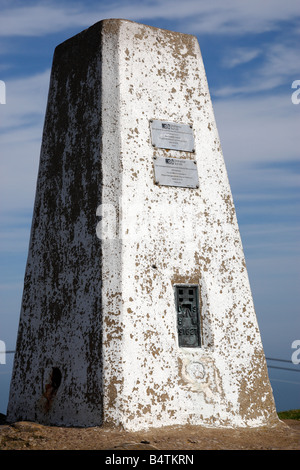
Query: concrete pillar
[137,309]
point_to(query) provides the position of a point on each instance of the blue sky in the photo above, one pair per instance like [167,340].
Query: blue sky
[251,55]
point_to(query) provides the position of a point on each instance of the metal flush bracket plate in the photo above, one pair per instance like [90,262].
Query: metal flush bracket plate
[172,135]
[176,172]
[188,316]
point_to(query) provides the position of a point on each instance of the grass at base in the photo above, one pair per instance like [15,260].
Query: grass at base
[291,414]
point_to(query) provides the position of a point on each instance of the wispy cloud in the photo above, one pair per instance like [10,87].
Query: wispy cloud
[21,123]
[280,62]
[25,102]
[257,122]
[258,129]
[240,56]
[14,239]
[217,17]
[243,18]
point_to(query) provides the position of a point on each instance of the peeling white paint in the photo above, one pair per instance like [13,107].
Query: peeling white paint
[159,236]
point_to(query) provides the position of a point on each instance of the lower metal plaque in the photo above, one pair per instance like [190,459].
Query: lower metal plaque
[172,135]
[176,172]
[188,316]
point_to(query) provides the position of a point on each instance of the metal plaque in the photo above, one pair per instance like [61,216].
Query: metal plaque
[188,316]
[176,172]
[171,135]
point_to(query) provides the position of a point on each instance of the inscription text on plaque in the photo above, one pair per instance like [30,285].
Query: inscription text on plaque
[176,172]
[172,135]
[188,316]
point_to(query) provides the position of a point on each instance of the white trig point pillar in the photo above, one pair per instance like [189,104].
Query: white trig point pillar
[137,310]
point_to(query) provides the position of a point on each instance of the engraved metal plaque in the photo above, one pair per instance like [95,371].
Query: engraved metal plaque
[172,135]
[188,316]
[176,172]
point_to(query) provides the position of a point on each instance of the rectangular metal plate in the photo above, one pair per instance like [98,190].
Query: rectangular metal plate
[188,316]
[176,172]
[172,135]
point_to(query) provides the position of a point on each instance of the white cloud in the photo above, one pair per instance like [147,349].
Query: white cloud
[37,20]
[15,240]
[215,17]
[260,142]
[11,286]
[25,101]
[253,131]
[241,56]
[281,62]
[232,17]
[21,122]
[258,129]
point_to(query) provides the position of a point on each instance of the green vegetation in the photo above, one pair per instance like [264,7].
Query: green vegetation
[291,414]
